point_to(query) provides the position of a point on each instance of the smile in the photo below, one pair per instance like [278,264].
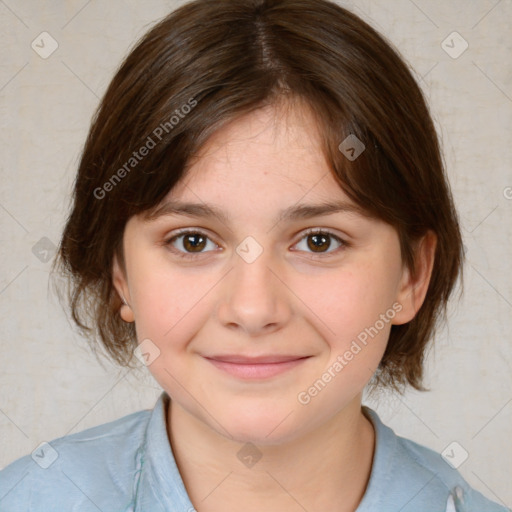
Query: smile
[257,367]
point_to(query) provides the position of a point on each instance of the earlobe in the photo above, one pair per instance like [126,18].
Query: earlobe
[414,285]
[121,285]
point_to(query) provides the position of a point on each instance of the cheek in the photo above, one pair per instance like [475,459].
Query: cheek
[170,309]
[347,302]
[169,303]
[353,313]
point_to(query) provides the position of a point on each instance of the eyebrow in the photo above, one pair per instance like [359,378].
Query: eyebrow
[292,213]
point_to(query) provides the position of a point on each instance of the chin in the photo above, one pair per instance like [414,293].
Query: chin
[262,425]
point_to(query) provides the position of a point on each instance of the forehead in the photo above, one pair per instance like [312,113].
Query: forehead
[273,153]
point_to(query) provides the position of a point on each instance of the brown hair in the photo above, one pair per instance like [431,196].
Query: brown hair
[211,61]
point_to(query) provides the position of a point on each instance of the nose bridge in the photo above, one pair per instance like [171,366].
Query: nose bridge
[253,298]
[252,274]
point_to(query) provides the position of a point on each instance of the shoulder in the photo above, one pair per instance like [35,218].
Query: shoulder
[445,478]
[419,478]
[78,470]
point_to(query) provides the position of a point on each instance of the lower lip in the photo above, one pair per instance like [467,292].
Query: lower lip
[256,371]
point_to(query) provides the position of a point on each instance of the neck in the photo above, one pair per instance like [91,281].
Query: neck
[331,464]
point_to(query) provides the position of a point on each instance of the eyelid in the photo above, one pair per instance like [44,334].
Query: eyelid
[324,231]
[303,234]
[184,231]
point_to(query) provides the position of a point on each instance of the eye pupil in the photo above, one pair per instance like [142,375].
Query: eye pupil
[194,242]
[191,245]
[318,241]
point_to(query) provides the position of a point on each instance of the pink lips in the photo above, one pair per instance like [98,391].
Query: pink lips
[255,367]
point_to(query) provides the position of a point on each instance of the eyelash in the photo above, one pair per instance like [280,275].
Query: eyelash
[311,231]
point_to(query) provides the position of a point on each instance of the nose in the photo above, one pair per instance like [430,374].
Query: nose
[254,298]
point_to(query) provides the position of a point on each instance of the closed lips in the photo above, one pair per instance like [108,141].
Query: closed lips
[236,359]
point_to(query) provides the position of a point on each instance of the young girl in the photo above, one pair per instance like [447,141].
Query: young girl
[261,216]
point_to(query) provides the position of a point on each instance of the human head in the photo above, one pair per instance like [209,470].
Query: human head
[191,75]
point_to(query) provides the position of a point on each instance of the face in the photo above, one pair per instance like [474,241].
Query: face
[268,320]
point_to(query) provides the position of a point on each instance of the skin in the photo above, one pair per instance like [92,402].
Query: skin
[290,300]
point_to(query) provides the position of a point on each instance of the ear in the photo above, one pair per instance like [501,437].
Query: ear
[121,285]
[413,286]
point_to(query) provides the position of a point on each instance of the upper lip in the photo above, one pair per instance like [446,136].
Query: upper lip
[238,359]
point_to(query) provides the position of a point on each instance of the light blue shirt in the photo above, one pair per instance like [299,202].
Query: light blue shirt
[127,465]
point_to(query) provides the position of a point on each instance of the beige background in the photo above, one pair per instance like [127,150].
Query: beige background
[51,385]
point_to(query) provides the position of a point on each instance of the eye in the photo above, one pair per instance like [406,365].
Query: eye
[191,241]
[319,241]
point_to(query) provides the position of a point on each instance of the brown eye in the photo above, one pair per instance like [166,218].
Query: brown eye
[190,243]
[194,242]
[320,242]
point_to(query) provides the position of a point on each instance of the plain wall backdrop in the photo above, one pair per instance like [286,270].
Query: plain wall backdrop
[51,383]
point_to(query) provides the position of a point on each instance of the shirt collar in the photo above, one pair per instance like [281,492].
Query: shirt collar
[159,486]
[383,459]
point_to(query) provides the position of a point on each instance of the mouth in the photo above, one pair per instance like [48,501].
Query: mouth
[255,368]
